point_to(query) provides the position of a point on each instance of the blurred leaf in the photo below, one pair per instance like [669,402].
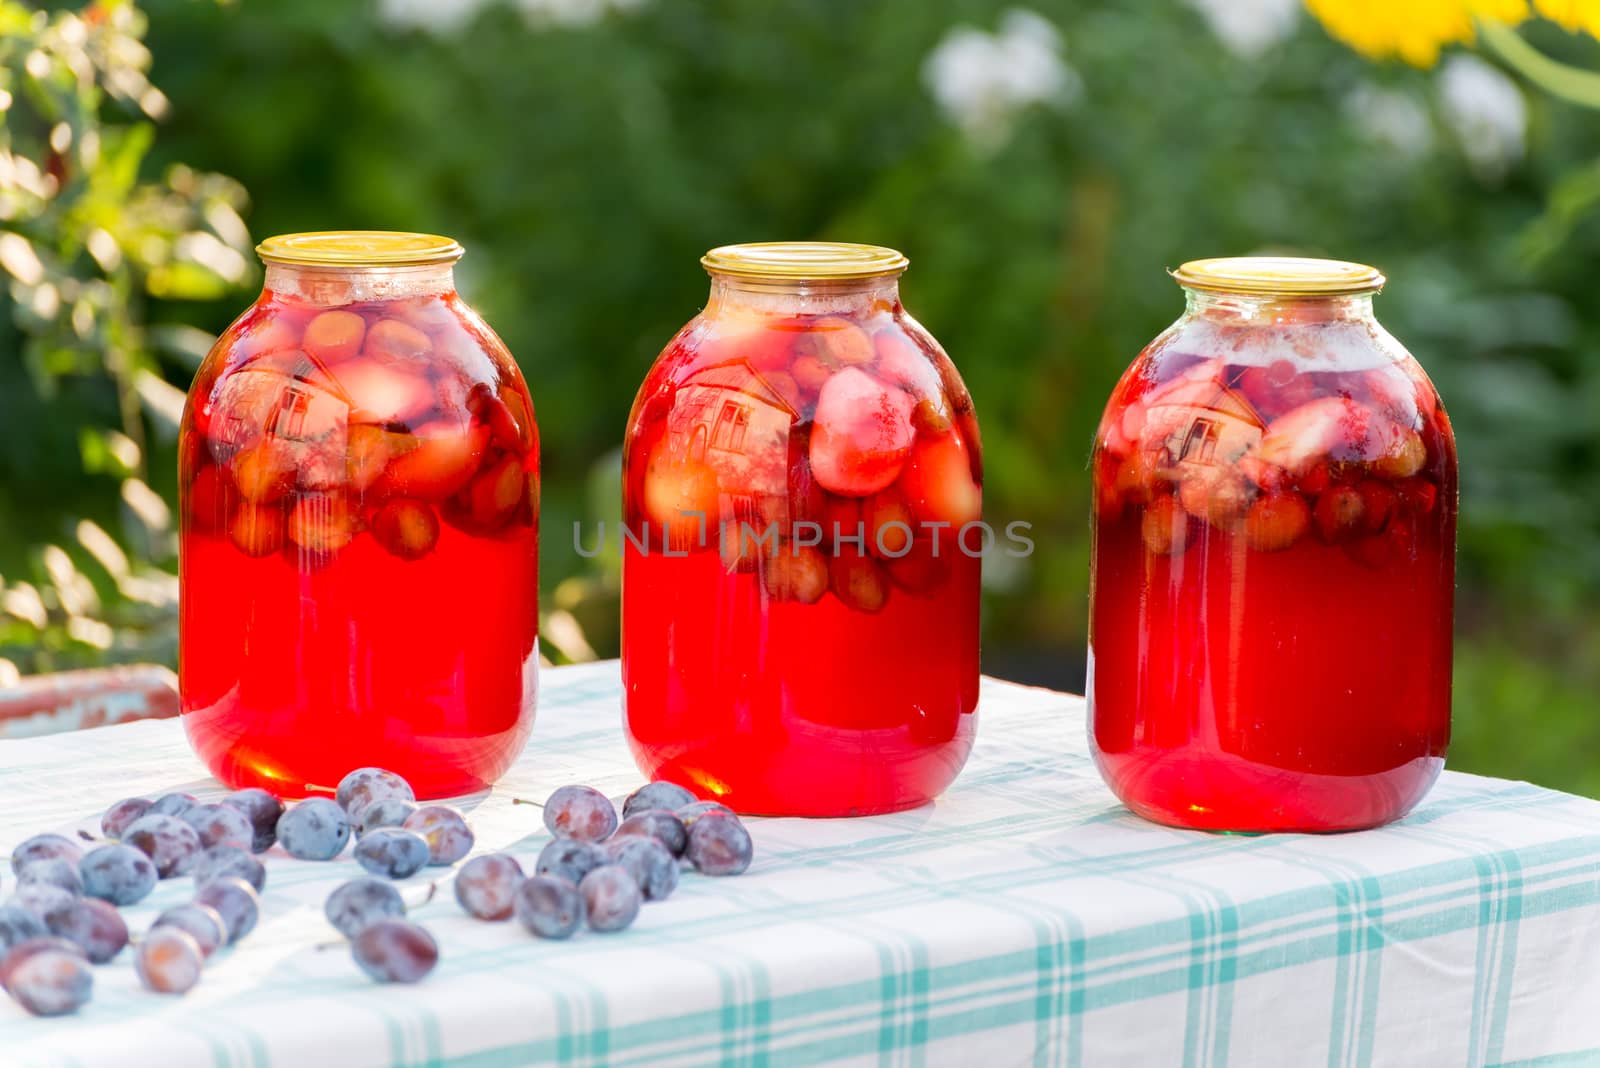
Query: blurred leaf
[86,239]
[186,281]
[1572,201]
[163,403]
[106,452]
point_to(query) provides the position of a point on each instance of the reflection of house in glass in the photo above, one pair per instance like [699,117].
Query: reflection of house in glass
[728,418]
[257,402]
[1201,423]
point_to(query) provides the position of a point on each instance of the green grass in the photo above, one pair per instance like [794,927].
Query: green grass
[1518,717]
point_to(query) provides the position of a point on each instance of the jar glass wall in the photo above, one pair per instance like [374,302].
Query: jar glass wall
[1273,561]
[359,496]
[800,624]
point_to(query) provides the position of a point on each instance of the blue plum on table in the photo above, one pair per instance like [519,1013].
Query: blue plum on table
[363,786]
[225,860]
[486,886]
[395,951]
[94,925]
[41,899]
[315,829]
[664,795]
[549,907]
[689,813]
[611,898]
[663,826]
[51,983]
[171,844]
[393,852]
[201,922]
[235,901]
[17,925]
[446,831]
[719,844]
[28,947]
[390,812]
[220,825]
[117,873]
[580,812]
[168,960]
[359,902]
[45,847]
[569,859]
[652,865]
[262,810]
[173,804]
[55,871]
[119,816]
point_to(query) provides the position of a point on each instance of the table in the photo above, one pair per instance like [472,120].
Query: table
[1026,918]
[92,697]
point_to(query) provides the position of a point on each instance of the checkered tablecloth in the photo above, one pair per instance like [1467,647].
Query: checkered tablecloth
[1026,918]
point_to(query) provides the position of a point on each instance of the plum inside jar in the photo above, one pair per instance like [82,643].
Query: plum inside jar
[359,483]
[799,620]
[1273,569]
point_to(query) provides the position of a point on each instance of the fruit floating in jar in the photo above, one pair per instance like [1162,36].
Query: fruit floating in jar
[800,620]
[1274,560]
[359,499]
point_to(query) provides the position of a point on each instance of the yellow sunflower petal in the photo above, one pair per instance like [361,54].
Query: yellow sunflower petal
[1413,30]
[1578,16]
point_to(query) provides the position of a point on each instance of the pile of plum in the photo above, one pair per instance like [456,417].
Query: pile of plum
[597,870]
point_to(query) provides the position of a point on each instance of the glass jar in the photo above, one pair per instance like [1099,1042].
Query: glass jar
[1274,560]
[359,473]
[800,618]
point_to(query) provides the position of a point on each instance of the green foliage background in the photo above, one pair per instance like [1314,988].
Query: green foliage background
[586,167]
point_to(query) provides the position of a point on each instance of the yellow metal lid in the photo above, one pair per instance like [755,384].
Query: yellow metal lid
[359,248]
[798,261]
[1279,276]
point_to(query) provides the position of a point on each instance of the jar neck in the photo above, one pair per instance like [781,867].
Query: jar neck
[349,285]
[1279,308]
[801,295]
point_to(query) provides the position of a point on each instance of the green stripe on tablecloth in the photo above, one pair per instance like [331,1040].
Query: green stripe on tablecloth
[1358,914]
[1452,913]
[1499,915]
[1502,999]
[947,983]
[1074,1001]
[1224,976]
[1372,931]
[1286,903]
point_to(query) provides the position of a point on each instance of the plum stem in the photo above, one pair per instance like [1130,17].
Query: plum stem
[433,889]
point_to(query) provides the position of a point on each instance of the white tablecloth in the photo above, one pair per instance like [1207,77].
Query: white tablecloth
[1026,918]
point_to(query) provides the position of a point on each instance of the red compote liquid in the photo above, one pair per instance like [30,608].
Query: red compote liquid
[359,557]
[1274,547]
[800,619]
